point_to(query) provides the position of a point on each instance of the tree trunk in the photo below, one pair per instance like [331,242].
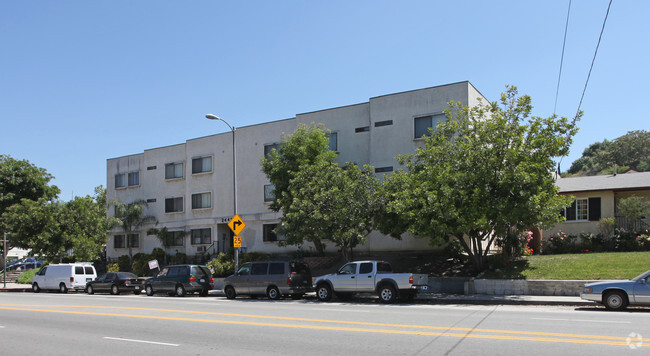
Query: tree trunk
[320,248]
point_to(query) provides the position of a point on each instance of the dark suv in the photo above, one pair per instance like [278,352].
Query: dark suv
[181,279]
[271,278]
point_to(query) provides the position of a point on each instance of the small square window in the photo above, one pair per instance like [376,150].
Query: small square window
[134,179]
[134,240]
[268,235]
[120,180]
[268,192]
[174,170]
[202,200]
[119,241]
[174,205]
[201,236]
[269,148]
[424,123]
[177,238]
[201,165]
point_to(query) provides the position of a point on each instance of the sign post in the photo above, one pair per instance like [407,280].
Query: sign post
[237,225]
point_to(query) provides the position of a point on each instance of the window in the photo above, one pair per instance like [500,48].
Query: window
[383,169]
[334,141]
[78,270]
[153,200]
[134,240]
[201,165]
[151,168]
[424,123]
[365,268]
[202,200]
[174,171]
[259,269]
[201,236]
[269,235]
[177,238]
[269,148]
[119,241]
[276,268]
[174,205]
[583,209]
[383,123]
[350,268]
[120,180]
[362,129]
[268,192]
[134,178]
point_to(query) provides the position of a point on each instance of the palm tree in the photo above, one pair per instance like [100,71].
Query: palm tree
[130,217]
[166,238]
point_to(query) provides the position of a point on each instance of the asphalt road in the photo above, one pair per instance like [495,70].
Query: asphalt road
[79,324]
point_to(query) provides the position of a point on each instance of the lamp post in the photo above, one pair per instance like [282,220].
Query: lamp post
[234,176]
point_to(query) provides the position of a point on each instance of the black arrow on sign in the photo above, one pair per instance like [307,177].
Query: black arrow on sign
[236,224]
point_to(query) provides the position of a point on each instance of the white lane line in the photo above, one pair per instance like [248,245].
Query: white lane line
[584,320]
[141,341]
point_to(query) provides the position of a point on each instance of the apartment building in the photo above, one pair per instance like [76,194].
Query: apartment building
[189,186]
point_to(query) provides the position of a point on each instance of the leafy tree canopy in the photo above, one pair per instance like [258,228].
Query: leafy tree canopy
[483,173]
[631,150]
[130,218]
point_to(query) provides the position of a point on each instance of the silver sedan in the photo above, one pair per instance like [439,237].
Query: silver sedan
[617,295]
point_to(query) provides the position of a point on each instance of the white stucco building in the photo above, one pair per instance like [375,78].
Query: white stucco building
[189,186]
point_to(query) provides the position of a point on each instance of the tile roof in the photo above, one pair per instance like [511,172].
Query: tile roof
[627,181]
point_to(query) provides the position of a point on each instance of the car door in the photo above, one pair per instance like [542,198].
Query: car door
[158,282]
[258,280]
[346,278]
[99,283]
[240,280]
[365,277]
[642,291]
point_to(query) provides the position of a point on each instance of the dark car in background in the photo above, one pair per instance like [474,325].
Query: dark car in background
[116,283]
[274,279]
[180,280]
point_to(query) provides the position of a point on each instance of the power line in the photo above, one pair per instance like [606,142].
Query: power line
[559,76]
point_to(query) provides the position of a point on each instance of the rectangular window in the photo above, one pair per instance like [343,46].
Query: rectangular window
[383,123]
[174,170]
[334,141]
[268,192]
[201,165]
[269,235]
[120,180]
[269,148]
[134,240]
[151,168]
[583,209]
[259,269]
[174,205]
[119,241]
[202,200]
[383,169]
[424,123]
[362,129]
[134,178]
[201,236]
[177,238]
[276,268]
[151,200]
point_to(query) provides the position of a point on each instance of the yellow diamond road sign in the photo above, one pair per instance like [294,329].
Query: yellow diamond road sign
[236,224]
[237,241]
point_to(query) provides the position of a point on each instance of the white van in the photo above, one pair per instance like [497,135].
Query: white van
[65,276]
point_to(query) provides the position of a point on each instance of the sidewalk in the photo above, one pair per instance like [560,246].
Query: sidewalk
[433,298]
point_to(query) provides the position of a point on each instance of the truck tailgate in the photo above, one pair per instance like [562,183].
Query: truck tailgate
[420,279]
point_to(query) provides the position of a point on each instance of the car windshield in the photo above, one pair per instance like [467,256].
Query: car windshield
[641,276]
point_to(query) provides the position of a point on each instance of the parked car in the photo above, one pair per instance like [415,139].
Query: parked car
[24,264]
[370,277]
[180,280]
[617,295]
[271,278]
[63,277]
[116,283]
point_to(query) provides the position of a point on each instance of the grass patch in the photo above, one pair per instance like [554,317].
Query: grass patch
[27,276]
[611,265]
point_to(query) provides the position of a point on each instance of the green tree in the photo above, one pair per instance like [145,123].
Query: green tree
[483,173]
[20,180]
[166,238]
[630,150]
[86,225]
[130,218]
[307,146]
[633,209]
[330,202]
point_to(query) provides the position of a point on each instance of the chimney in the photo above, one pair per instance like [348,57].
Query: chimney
[614,169]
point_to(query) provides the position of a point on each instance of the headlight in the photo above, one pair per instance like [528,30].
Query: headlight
[589,290]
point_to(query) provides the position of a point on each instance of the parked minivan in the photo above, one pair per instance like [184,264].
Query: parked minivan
[63,277]
[271,278]
[181,279]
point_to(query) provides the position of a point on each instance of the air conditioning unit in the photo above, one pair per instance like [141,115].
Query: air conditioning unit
[200,249]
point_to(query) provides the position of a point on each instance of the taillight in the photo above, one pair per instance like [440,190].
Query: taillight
[192,279]
[211,280]
[411,280]
[71,279]
[288,281]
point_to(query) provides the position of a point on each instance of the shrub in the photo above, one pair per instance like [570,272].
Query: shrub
[141,264]
[561,242]
[124,263]
[113,267]
[158,254]
[223,265]
[27,276]
[625,240]
[515,244]
[454,250]
[606,226]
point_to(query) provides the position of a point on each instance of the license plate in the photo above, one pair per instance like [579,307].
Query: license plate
[137,287]
[202,281]
[88,279]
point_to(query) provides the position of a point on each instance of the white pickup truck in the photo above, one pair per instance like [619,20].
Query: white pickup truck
[369,277]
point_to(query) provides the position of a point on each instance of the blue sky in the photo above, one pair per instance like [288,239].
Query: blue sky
[83,81]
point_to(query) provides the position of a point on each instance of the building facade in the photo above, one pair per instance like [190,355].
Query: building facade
[189,186]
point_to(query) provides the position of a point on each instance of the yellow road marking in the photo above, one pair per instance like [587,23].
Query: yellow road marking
[600,341]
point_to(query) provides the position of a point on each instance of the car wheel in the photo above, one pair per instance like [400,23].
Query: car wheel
[115,290]
[615,300]
[387,293]
[180,290]
[36,288]
[63,288]
[273,293]
[149,290]
[296,296]
[324,292]
[230,292]
[90,290]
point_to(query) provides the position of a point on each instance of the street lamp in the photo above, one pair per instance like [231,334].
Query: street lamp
[234,176]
